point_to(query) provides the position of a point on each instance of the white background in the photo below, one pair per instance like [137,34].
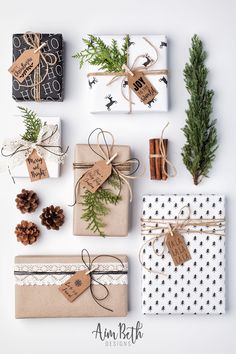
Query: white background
[214,21]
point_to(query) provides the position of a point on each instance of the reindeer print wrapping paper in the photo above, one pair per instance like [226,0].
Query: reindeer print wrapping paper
[197,286]
[52,87]
[110,98]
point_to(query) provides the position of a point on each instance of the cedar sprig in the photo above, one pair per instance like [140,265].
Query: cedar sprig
[200,129]
[106,57]
[95,205]
[32,123]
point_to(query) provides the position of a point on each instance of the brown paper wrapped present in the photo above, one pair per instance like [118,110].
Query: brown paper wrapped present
[40,278]
[116,220]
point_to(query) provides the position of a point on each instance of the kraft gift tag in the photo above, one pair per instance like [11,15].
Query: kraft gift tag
[142,87]
[96,176]
[178,248]
[37,167]
[25,64]
[76,285]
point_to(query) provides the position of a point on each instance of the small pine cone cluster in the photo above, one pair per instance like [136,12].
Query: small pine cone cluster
[27,232]
[52,217]
[27,201]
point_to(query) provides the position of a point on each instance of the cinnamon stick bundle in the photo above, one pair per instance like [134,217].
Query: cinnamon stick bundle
[157,158]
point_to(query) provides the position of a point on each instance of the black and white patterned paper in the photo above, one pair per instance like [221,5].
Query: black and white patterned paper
[197,286]
[52,88]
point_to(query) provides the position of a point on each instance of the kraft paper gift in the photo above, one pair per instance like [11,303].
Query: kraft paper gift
[51,81]
[117,220]
[37,279]
[198,285]
[109,98]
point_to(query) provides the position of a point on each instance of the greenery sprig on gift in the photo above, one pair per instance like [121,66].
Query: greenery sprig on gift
[106,57]
[32,123]
[95,205]
[200,129]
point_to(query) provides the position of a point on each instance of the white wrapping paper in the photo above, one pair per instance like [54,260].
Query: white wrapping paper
[198,285]
[108,98]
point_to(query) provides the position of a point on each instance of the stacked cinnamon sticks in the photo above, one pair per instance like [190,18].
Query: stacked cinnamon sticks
[158,164]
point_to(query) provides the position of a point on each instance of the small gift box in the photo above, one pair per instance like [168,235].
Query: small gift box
[139,86]
[38,65]
[71,286]
[37,151]
[183,254]
[104,212]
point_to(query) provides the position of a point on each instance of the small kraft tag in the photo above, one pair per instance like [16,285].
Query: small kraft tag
[37,167]
[178,248]
[142,87]
[96,176]
[24,65]
[76,285]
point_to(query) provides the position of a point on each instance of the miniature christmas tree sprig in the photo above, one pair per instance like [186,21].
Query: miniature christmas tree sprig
[198,153]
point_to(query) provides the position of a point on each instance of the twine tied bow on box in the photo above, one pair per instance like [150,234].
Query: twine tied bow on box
[153,229]
[33,40]
[131,71]
[18,150]
[122,169]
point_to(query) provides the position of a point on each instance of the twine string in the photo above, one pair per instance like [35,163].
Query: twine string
[163,157]
[89,265]
[132,70]
[49,59]
[213,227]
[104,151]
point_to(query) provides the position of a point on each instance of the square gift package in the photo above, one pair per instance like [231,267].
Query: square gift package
[38,279]
[117,219]
[147,53]
[46,81]
[53,167]
[198,285]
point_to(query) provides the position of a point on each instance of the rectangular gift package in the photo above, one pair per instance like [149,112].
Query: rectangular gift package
[51,65]
[53,167]
[37,279]
[198,285]
[114,97]
[117,220]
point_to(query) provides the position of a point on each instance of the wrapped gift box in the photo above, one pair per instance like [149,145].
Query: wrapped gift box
[198,285]
[117,219]
[108,98]
[21,171]
[52,87]
[39,277]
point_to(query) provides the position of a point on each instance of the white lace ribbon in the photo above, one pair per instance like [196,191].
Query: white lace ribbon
[16,151]
[58,273]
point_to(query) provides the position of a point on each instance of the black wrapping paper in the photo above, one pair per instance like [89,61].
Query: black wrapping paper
[52,87]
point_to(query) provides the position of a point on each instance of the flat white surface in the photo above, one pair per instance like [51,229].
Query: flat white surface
[214,21]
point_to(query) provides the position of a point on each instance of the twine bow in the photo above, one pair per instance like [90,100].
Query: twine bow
[91,271]
[121,169]
[162,228]
[131,71]
[49,59]
[163,157]
[18,150]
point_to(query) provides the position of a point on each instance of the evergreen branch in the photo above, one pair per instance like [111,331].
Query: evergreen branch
[200,130]
[32,124]
[106,57]
[95,206]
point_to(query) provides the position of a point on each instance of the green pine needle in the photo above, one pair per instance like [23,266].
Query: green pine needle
[200,131]
[95,205]
[32,124]
[106,57]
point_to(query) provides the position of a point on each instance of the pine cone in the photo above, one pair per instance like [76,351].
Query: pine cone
[52,217]
[27,232]
[27,201]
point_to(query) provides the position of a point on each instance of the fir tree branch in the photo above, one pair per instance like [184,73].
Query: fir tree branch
[95,206]
[200,131]
[106,57]
[32,124]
